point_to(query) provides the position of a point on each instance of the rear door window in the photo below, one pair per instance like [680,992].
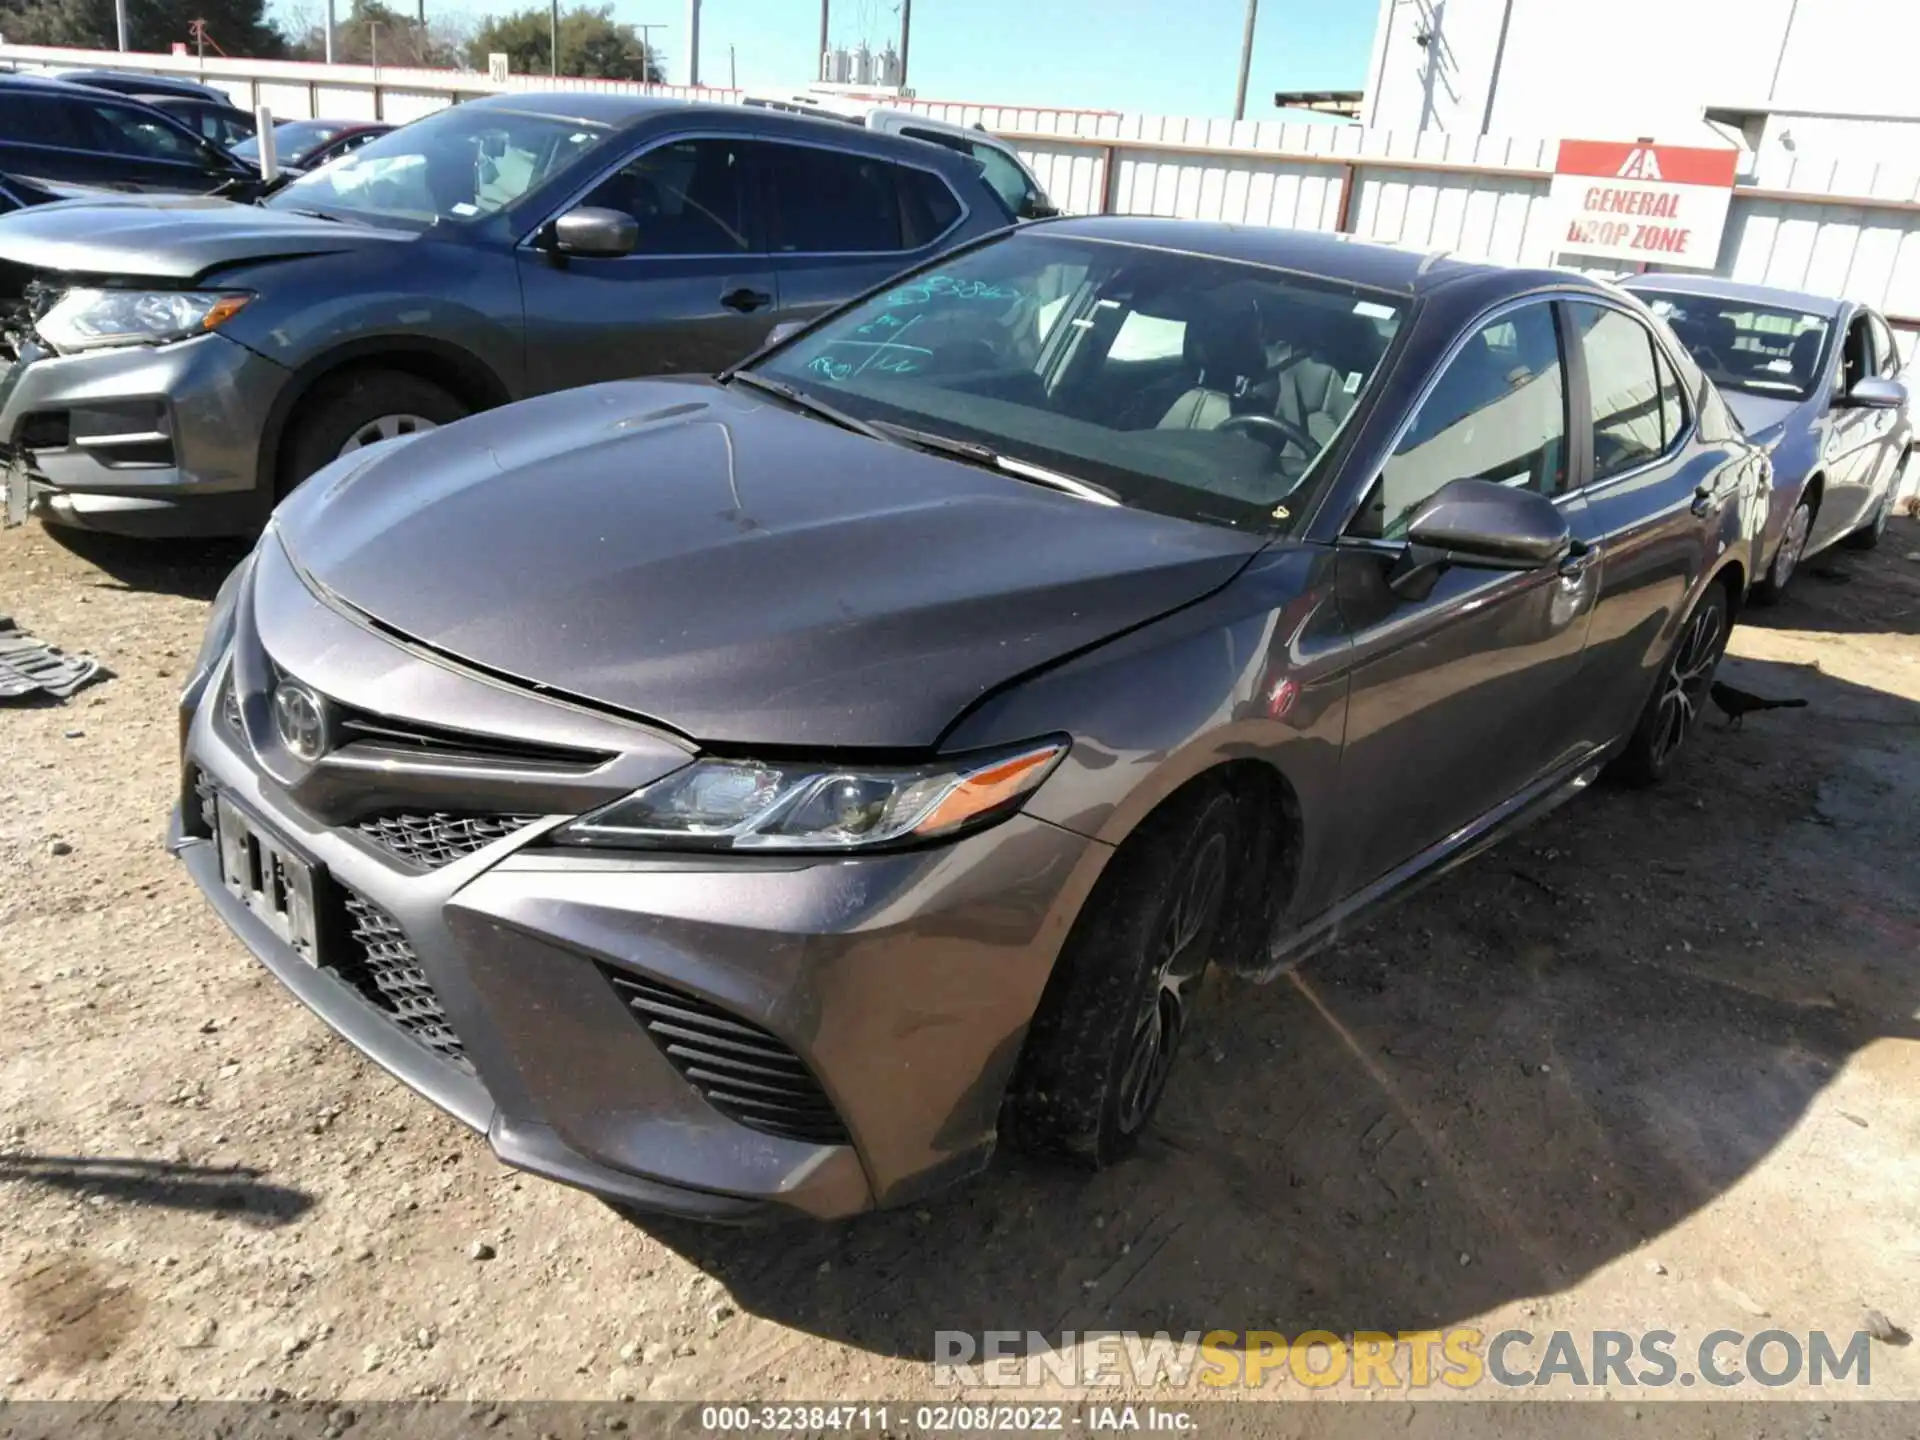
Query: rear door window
[122,130]
[830,202]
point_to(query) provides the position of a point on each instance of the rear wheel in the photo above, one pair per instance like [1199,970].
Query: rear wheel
[1103,1042]
[1786,558]
[1673,710]
[1867,537]
[358,409]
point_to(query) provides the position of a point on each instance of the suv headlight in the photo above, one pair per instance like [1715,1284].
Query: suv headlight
[85,319]
[777,805]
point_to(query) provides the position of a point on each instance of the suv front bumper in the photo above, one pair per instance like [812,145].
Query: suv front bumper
[144,440]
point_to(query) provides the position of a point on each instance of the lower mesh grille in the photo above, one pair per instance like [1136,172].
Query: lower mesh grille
[377,960]
[741,1070]
[436,839]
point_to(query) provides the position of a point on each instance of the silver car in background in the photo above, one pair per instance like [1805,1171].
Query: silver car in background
[1817,381]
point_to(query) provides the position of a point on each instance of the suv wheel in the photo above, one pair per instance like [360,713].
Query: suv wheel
[359,409]
[1121,998]
[1673,710]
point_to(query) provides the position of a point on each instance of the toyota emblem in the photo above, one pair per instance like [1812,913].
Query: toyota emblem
[300,719]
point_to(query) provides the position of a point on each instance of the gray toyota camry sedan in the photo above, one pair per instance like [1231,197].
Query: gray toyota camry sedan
[764,793]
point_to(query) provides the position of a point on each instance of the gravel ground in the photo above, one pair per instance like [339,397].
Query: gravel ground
[1653,1062]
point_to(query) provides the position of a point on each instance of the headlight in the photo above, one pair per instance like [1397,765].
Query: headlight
[760,805]
[219,631]
[90,319]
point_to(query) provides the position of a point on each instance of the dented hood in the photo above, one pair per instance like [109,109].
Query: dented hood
[739,572]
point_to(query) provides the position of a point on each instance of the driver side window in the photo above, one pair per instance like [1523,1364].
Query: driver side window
[688,197]
[1856,361]
[1498,412]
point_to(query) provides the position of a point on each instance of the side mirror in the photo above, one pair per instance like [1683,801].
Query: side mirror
[1038,210]
[784,331]
[1875,392]
[591,230]
[1481,524]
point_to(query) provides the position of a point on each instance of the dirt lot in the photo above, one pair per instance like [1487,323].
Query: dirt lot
[1653,1063]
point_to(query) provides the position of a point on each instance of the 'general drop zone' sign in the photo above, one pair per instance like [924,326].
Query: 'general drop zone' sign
[1659,204]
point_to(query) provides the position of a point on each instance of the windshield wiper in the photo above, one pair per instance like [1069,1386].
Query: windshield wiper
[800,400]
[991,459]
[313,214]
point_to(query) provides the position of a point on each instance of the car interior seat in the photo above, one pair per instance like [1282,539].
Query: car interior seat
[1223,351]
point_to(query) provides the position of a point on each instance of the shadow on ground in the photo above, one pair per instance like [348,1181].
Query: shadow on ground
[1845,591]
[237,1191]
[1537,1065]
[191,568]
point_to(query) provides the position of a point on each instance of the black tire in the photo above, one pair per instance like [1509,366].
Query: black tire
[1084,1091]
[1679,694]
[1785,563]
[346,404]
[1867,537]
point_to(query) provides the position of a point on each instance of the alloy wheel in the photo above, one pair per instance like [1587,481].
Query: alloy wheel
[386,427]
[1793,544]
[1684,685]
[1179,959]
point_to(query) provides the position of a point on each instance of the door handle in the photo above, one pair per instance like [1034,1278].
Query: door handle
[746,300]
[1578,561]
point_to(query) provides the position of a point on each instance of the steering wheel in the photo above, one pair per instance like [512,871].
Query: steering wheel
[1272,425]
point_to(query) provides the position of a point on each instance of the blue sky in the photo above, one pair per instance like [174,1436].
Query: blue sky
[1169,57]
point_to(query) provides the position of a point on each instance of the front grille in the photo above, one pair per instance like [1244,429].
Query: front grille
[376,959]
[433,742]
[432,840]
[741,1070]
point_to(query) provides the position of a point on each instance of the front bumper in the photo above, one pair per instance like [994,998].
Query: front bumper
[903,983]
[143,440]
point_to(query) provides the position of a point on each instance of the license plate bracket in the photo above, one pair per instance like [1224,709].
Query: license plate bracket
[269,877]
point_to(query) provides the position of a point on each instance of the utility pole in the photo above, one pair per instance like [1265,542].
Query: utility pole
[693,43]
[1246,61]
[120,22]
[329,30]
[646,48]
[555,56]
[906,37]
[373,45]
[820,58]
[733,69]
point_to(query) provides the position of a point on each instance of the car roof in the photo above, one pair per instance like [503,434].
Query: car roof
[609,108]
[1721,289]
[154,84]
[1332,256]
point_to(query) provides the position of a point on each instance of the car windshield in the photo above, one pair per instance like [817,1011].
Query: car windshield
[294,140]
[1193,387]
[1761,349]
[458,164]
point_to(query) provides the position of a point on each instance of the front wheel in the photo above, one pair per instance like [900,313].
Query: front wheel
[1768,589]
[358,409]
[1121,999]
[1673,710]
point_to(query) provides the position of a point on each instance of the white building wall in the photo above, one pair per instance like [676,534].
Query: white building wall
[1629,68]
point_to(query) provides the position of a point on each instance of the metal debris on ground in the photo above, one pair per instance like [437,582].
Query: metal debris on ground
[33,667]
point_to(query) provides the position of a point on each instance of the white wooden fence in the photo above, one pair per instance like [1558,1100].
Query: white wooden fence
[1827,225]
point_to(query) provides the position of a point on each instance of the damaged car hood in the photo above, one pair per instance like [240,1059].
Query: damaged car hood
[170,237]
[725,566]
